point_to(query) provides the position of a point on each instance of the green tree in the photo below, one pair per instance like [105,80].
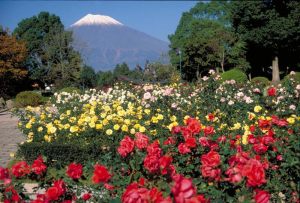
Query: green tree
[51,56]
[121,70]
[88,77]
[271,30]
[105,78]
[206,41]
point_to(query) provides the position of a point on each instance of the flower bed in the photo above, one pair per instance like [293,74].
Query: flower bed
[207,142]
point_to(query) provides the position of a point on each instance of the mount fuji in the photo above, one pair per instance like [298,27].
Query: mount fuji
[104,42]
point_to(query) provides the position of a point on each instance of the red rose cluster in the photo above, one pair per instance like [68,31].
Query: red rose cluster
[22,169]
[183,192]
[210,162]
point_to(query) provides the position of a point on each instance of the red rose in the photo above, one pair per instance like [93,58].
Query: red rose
[191,142]
[183,149]
[260,148]
[211,159]
[169,141]
[211,173]
[193,125]
[126,146]
[134,194]
[60,185]
[38,167]
[262,196]
[234,174]
[151,163]
[4,173]
[154,149]
[209,130]
[268,140]
[20,169]
[86,196]
[255,173]
[176,130]
[204,141]
[74,171]
[272,91]
[186,133]
[155,195]
[101,174]
[164,163]
[141,140]
[52,193]
[11,195]
[222,139]
[197,199]
[182,189]
[108,186]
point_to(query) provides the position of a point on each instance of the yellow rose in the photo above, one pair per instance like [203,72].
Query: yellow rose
[124,128]
[52,130]
[40,129]
[257,109]
[142,129]
[74,129]
[99,126]
[132,131]
[291,120]
[116,127]
[47,138]
[109,132]
[28,125]
[92,124]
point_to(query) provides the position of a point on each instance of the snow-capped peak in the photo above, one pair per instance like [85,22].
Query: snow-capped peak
[91,19]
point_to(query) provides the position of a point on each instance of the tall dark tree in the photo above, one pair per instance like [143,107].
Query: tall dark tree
[205,41]
[88,77]
[271,29]
[51,56]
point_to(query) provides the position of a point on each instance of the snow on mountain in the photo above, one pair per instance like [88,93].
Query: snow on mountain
[104,42]
[91,19]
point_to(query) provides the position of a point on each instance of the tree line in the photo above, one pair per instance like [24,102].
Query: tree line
[260,37]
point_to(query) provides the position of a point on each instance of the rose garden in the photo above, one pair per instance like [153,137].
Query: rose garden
[212,141]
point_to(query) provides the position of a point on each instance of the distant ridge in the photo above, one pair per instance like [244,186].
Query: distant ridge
[104,42]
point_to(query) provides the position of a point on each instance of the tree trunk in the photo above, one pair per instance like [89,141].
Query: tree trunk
[275,70]
[223,60]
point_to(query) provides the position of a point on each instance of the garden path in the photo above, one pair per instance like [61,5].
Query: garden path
[10,137]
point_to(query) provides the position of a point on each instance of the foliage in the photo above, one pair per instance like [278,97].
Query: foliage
[51,57]
[70,90]
[234,74]
[88,78]
[28,98]
[206,42]
[121,70]
[229,142]
[12,70]
[260,80]
[270,28]
[105,78]
[295,76]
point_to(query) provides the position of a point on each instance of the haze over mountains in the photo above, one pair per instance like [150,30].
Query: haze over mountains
[104,42]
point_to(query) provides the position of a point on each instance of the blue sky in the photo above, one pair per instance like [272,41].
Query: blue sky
[156,18]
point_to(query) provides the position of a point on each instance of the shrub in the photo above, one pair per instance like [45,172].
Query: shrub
[260,81]
[296,77]
[70,90]
[28,98]
[234,74]
[60,154]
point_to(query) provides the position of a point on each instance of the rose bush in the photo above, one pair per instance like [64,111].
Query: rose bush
[209,142]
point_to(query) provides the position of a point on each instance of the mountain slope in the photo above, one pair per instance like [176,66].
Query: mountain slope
[104,42]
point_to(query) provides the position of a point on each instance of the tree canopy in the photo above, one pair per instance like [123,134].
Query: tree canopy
[51,56]
[270,29]
[12,55]
[206,41]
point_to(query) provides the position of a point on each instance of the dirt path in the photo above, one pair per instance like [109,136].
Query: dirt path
[10,136]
